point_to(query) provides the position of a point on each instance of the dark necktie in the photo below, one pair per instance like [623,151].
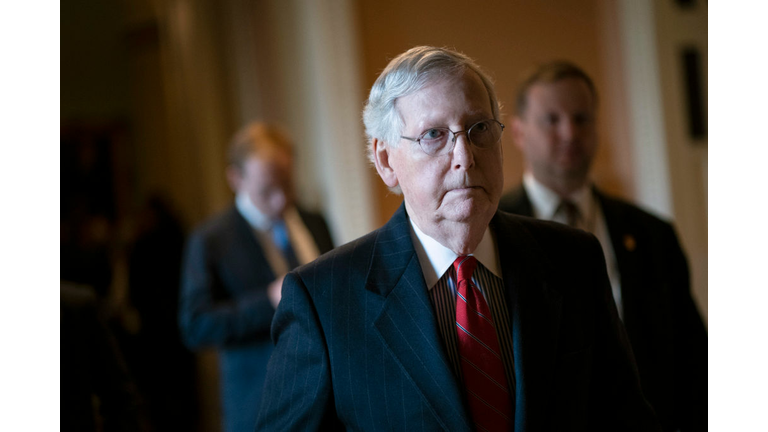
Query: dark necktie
[283,242]
[572,214]
[485,382]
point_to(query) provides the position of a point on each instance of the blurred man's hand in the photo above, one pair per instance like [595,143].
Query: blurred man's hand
[274,291]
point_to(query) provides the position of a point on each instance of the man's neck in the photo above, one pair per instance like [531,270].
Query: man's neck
[255,217]
[564,187]
[435,258]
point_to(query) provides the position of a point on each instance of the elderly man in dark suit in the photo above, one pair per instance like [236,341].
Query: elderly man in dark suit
[555,129]
[453,316]
[234,265]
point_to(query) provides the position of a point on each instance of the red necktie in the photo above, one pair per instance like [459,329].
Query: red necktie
[485,382]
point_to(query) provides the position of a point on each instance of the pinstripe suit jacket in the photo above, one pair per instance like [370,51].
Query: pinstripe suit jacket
[357,344]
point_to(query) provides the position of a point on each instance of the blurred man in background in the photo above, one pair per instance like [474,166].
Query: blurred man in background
[555,129]
[234,266]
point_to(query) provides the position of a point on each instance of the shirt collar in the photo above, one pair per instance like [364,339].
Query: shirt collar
[436,259]
[250,213]
[545,201]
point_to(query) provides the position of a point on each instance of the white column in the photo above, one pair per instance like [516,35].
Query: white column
[670,166]
[336,102]
[646,112]
[296,62]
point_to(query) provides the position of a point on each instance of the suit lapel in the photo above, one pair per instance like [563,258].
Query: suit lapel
[407,324]
[625,243]
[517,202]
[535,311]
[252,250]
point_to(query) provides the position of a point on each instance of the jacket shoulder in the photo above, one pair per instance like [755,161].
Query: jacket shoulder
[216,233]
[351,258]
[216,224]
[516,201]
[309,215]
[619,210]
[544,231]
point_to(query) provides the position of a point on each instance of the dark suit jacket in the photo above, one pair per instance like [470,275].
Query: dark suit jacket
[224,304]
[357,344]
[664,327]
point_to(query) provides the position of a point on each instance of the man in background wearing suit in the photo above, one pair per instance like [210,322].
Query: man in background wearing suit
[555,129]
[234,266]
[453,315]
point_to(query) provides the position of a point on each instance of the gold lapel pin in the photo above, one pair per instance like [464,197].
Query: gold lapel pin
[629,242]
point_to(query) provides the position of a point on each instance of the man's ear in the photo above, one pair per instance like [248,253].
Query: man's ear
[234,177]
[518,131]
[381,155]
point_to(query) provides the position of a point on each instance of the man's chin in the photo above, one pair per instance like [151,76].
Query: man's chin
[574,168]
[470,210]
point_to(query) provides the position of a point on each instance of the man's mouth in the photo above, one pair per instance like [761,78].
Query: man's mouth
[465,188]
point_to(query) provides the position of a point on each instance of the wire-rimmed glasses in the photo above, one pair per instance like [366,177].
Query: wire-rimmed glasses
[483,134]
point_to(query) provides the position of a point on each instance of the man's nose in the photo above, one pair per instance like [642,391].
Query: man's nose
[569,130]
[463,157]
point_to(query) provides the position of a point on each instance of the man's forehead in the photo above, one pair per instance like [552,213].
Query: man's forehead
[270,161]
[437,94]
[567,91]
[560,86]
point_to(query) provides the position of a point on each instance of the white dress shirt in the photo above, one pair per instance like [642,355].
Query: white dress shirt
[546,202]
[436,263]
[435,259]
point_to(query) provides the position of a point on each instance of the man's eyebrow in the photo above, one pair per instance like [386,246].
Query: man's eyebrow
[470,117]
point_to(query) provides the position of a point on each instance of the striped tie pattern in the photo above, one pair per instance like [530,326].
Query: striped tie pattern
[485,382]
[283,241]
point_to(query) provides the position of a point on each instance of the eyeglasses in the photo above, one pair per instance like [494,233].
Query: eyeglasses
[483,134]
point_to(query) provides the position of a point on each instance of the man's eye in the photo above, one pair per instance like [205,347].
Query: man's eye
[551,119]
[581,119]
[433,134]
[480,127]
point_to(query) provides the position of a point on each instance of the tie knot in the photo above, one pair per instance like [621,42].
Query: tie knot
[465,266]
[572,214]
[279,233]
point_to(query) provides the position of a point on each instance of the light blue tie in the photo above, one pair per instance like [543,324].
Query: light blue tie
[282,241]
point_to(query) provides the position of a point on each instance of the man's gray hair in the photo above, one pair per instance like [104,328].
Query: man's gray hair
[407,73]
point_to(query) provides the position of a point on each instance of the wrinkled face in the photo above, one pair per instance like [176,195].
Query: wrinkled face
[557,130]
[461,185]
[268,183]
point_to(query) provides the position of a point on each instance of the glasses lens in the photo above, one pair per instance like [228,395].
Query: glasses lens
[434,140]
[485,133]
